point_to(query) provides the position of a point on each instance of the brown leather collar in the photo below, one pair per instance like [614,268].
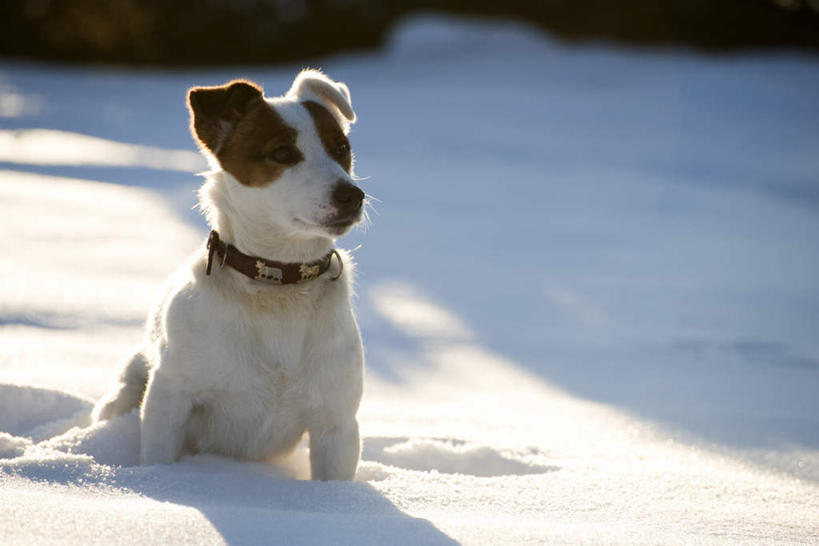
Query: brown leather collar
[261,269]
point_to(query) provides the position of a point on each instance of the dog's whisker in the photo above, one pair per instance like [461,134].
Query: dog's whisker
[369,206]
[366,221]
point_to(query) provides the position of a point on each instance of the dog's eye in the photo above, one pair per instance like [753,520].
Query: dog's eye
[285,154]
[342,148]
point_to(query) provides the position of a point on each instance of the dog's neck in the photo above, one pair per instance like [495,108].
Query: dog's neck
[270,242]
[257,236]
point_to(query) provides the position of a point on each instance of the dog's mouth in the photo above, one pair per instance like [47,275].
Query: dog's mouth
[336,224]
[345,222]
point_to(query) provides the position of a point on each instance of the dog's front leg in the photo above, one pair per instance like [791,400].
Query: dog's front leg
[334,450]
[164,415]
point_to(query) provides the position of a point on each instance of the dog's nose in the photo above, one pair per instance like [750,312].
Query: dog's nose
[347,197]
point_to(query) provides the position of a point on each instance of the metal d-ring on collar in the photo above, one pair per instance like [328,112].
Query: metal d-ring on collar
[340,265]
[262,269]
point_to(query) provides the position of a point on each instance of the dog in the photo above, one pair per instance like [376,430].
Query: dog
[255,341]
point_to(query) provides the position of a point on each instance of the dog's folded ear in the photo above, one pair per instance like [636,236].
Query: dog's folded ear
[215,110]
[312,85]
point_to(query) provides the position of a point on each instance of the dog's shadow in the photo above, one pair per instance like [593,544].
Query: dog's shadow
[246,503]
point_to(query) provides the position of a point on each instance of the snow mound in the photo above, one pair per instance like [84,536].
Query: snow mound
[449,456]
[12,446]
[47,425]
[40,413]
[114,442]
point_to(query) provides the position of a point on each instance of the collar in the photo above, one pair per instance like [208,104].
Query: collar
[261,269]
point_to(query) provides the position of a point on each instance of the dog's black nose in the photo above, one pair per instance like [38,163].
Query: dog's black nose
[347,197]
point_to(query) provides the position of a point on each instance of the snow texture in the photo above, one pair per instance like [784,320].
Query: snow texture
[588,298]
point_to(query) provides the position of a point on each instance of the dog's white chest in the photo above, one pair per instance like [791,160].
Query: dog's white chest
[251,424]
[256,409]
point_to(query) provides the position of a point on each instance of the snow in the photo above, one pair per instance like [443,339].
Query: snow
[588,297]
[49,147]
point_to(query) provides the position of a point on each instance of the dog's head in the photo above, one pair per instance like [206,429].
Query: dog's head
[289,156]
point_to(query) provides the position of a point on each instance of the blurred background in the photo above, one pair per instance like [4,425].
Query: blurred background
[209,32]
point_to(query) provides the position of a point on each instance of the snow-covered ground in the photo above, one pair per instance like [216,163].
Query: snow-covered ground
[589,299]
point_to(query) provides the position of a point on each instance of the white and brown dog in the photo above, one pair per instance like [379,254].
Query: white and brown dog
[244,354]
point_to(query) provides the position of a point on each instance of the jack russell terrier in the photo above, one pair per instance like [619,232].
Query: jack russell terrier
[255,341]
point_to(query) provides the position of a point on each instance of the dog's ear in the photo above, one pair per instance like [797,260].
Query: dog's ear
[312,85]
[215,110]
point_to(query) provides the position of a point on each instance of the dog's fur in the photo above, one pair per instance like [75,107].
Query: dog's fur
[240,367]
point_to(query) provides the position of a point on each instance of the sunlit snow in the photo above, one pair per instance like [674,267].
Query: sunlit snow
[588,298]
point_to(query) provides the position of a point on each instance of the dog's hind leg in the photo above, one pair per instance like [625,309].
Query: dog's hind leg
[128,394]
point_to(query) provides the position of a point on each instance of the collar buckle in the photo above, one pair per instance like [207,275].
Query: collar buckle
[213,243]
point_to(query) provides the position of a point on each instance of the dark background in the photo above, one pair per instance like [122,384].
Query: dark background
[205,32]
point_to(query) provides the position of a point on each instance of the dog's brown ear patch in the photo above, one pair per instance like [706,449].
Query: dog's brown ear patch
[216,110]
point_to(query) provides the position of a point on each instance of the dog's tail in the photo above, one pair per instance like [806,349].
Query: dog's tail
[128,394]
